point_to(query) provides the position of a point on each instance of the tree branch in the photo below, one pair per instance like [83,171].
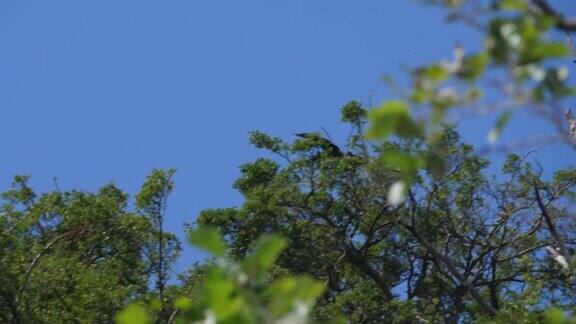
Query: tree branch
[442,259]
[35,263]
[562,23]
[362,264]
[551,226]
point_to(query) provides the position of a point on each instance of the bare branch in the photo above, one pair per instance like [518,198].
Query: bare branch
[442,259]
[551,226]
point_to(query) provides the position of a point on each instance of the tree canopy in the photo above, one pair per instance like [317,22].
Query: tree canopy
[402,222]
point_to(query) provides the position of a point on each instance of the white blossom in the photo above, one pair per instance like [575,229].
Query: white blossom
[509,33]
[536,73]
[507,29]
[448,93]
[556,256]
[299,315]
[492,136]
[396,193]
[515,40]
[209,318]
[563,73]
[456,64]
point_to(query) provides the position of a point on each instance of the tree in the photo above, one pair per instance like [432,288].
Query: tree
[77,257]
[69,256]
[164,249]
[462,246]
[401,223]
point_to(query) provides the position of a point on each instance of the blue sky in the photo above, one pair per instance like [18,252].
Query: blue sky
[100,91]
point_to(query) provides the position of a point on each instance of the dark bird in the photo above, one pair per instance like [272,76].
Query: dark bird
[324,143]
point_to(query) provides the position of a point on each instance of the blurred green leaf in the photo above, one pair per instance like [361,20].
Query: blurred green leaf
[420,95]
[498,47]
[501,122]
[155,304]
[266,250]
[285,293]
[392,117]
[183,303]
[473,66]
[192,314]
[220,295]
[553,85]
[554,316]
[553,49]
[543,50]
[133,314]
[209,239]
[435,163]
[434,73]
[406,163]
[513,5]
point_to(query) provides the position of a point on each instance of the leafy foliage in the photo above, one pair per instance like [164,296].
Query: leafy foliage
[239,292]
[400,224]
[462,247]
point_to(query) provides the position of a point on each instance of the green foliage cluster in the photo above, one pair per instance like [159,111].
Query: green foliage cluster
[461,247]
[240,292]
[75,256]
[522,59]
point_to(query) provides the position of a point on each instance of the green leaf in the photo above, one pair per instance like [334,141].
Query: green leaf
[155,304]
[133,314]
[284,293]
[473,66]
[266,250]
[552,49]
[209,239]
[220,296]
[190,315]
[554,316]
[435,73]
[543,50]
[519,5]
[435,163]
[406,163]
[498,48]
[420,95]
[501,122]
[183,303]
[392,117]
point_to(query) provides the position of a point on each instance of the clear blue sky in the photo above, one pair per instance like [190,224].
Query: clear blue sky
[99,91]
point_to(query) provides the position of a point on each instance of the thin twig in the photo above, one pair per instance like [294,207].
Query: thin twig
[550,223]
[562,22]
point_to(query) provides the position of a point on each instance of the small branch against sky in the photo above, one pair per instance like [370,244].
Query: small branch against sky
[563,23]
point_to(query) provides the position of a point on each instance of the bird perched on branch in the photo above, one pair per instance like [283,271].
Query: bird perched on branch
[326,145]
